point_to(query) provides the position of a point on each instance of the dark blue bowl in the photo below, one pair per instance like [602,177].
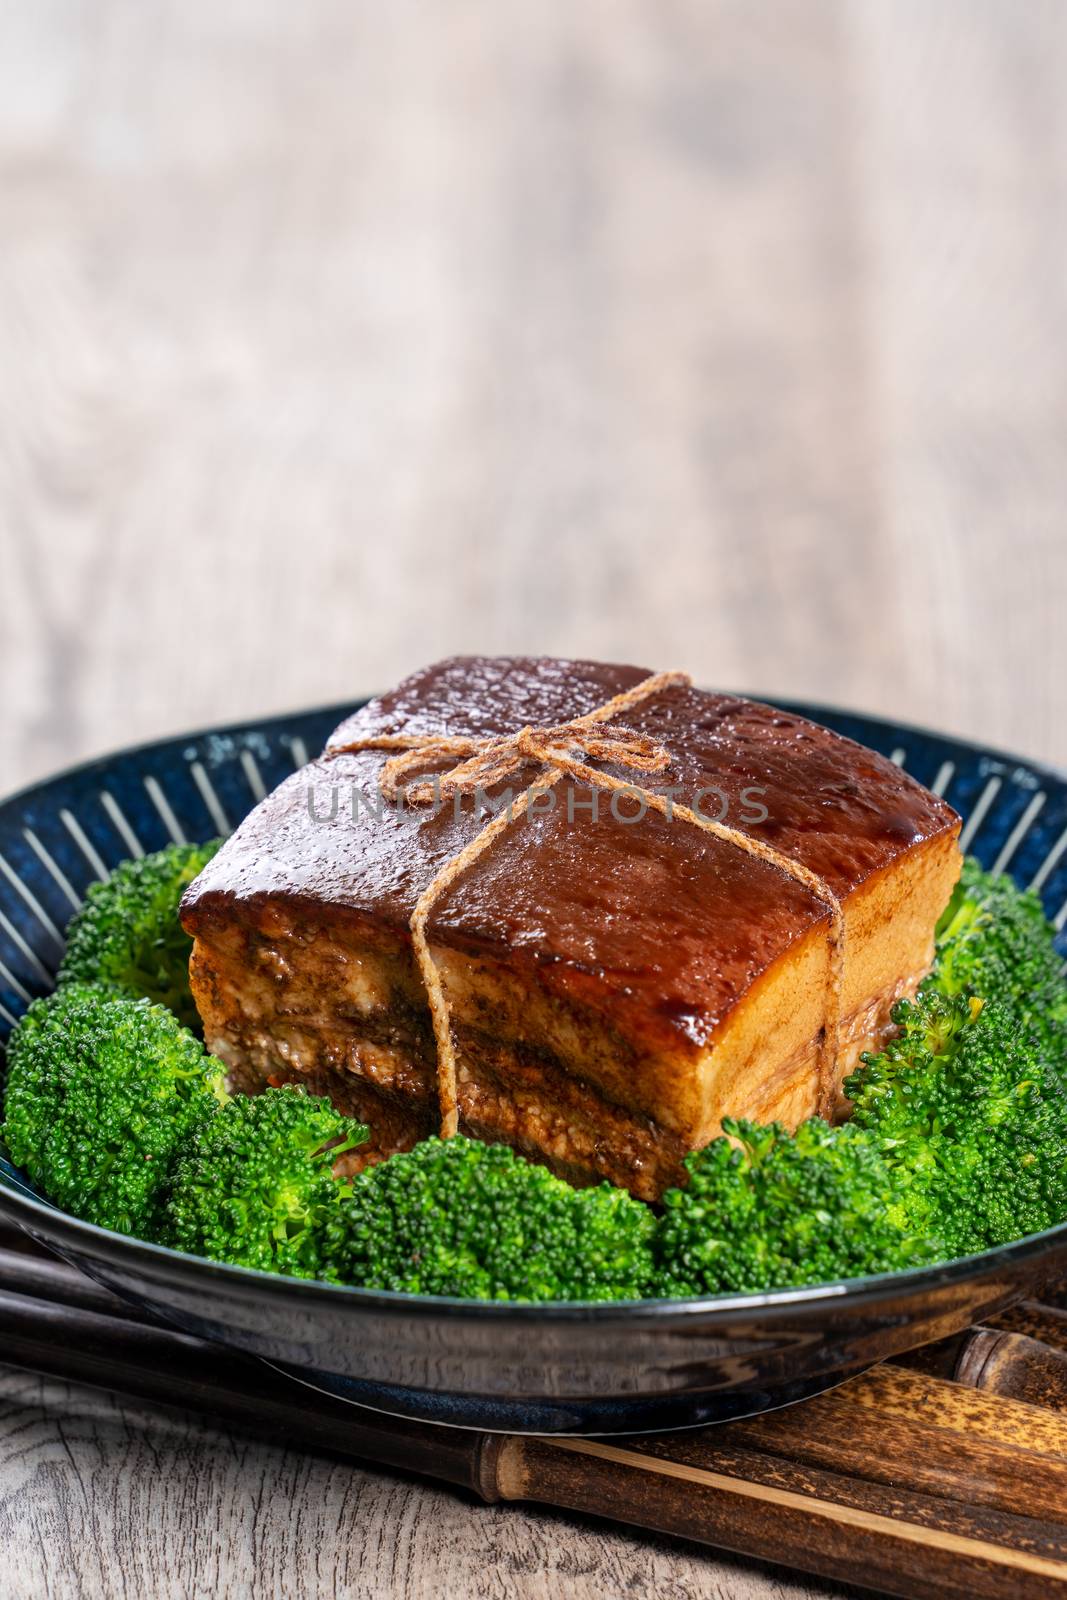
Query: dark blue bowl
[564,1368]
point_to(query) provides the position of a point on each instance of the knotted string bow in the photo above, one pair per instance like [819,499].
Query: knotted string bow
[484,763]
[569,747]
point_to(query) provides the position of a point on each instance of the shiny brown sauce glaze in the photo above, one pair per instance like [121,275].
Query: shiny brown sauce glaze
[657,923]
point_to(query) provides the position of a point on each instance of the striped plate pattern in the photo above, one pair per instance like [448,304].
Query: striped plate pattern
[61,836]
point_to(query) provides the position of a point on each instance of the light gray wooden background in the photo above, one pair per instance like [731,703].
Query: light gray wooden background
[337,336]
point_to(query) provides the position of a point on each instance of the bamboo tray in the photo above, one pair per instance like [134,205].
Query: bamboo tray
[944,1472]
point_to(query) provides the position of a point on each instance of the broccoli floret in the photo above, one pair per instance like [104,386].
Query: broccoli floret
[100,1093]
[255,1185]
[766,1209]
[128,936]
[462,1218]
[968,1100]
[970,1114]
[994,941]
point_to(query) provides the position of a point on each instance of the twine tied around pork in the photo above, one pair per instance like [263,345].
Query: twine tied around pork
[562,750]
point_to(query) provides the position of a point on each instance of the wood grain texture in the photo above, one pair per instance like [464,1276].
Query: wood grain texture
[333,338]
[337,337]
[100,1497]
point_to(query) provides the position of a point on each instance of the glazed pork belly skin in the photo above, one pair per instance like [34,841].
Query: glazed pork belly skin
[615,987]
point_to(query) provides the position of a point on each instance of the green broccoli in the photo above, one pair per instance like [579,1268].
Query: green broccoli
[994,941]
[958,1139]
[128,936]
[968,1100]
[773,1210]
[458,1217]
[254,1185]
[100,1093]
[970,1114]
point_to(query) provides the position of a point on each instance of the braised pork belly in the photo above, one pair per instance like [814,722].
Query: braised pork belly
[618,978]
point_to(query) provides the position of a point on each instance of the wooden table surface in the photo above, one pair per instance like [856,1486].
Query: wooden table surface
[721,334]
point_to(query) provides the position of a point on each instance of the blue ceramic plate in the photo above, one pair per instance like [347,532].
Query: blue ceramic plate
[565,1368]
